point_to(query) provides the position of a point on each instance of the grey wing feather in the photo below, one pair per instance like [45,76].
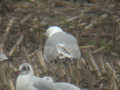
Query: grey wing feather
[66,86]
[41,84]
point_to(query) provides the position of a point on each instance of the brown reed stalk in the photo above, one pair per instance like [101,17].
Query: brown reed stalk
[101,64]
[16,45]
[42,61]
[25,19]
[112,75]
[96,21]
[94,65]
[82,62]
[26,54]
[7,30]
[3,74]
[11,85]
[36,70]
[104,47]
[76,70]
[30,61]
[60,70]
[70,69]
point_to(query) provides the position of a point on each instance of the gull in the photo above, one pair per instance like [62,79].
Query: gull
[60,45]
[3,57]
[61,85]
[27,81]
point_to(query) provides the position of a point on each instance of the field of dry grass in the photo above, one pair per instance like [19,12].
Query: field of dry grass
[96,26]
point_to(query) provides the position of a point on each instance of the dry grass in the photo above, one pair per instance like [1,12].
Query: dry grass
[95,27]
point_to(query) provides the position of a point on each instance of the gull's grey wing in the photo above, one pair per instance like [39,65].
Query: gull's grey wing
[70,44]
[84,89]
[3,57]
[66,86]
[41,84]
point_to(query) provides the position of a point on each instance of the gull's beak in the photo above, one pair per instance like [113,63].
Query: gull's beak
[17,72]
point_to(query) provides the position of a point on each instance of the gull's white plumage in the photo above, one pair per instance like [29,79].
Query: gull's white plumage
[27,81]
[61,85]
[66,86]
[60,44]
[52,30]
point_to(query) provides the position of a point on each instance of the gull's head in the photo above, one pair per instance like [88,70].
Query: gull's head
[48,78]
[25,69]
[52,30]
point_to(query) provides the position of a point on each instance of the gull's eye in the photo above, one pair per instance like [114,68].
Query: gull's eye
[24,68]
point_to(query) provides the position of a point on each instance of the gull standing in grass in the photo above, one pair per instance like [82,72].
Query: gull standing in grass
[27,81]
[61,85]
[60,45]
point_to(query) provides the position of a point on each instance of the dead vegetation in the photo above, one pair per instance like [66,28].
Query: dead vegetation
[95,25]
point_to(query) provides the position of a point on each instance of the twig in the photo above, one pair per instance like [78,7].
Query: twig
[28,58]
[16,45]
[101,64]
[72,18]
[11,85]
[62,72]
[7,30]
[9,25]
[112,74]
[70,69]
[26,54]
[25,19]
[114,34]
[94,65]
[88,46]
[115,87]
[3,73]
[36,70]
[111,70]
[83,61]
[78,64]
[42,62]
[104,47]
[33,53]
[99,49]
[96,21]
